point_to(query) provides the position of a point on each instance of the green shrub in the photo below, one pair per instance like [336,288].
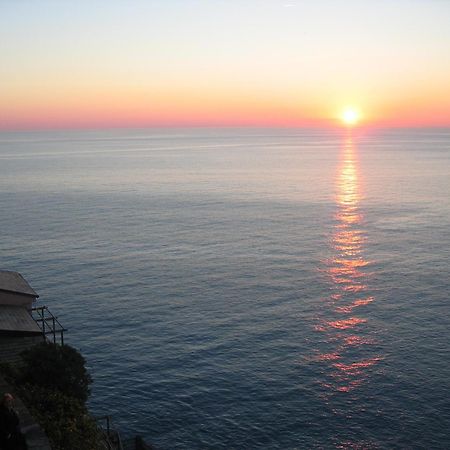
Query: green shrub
[56,367]
[64,419]
[53,382]
[9,371]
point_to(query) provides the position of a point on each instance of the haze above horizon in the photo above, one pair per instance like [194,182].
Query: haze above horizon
[213,63]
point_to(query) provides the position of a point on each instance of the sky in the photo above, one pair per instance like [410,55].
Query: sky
[91,63]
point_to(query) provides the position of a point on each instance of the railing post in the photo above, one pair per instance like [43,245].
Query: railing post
[47,322]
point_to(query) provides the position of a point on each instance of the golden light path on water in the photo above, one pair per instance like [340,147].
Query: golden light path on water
[345,327]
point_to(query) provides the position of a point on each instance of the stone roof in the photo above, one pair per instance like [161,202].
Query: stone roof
[14,282]
[16,319]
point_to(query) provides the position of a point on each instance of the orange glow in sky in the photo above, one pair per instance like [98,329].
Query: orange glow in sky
[204,63]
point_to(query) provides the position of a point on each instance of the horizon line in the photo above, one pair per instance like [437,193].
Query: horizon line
[332,126]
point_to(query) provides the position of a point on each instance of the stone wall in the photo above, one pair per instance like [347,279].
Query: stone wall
[12,346]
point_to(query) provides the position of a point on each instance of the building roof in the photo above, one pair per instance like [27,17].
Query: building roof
[14,319]
[14,282]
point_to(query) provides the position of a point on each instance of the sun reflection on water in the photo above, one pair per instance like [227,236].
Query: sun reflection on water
[348,356]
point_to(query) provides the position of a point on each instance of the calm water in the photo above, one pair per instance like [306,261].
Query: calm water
[245,289]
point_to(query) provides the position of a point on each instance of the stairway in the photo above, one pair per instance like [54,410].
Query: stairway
[34,435]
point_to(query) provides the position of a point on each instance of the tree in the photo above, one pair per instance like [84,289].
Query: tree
[57,367]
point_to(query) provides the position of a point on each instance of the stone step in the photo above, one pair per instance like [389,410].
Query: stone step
[34,435]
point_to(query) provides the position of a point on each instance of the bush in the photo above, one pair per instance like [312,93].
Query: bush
[53,382]
[9,371]
[56,367]
[65,419]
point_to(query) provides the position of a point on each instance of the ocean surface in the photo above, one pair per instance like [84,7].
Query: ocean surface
[244,289]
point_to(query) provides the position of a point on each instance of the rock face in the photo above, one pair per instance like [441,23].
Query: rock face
[34,435]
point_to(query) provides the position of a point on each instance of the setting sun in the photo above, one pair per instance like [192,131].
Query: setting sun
[350,116]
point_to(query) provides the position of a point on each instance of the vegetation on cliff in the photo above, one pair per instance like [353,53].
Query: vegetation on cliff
[53,382]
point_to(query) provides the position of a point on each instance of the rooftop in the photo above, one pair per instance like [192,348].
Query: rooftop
[14,282]
[14,319]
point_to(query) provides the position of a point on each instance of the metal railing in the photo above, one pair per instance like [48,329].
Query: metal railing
[111,436]
[48,323]
[113,440]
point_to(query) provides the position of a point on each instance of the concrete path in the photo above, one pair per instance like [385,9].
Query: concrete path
[34,435]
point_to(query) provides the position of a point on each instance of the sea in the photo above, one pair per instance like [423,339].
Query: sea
[244,288]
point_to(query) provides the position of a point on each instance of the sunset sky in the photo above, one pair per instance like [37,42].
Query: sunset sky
[222,63]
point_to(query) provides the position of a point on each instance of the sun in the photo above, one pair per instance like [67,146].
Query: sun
[350,116]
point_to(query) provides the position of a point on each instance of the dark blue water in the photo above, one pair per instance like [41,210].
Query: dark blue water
[244,289]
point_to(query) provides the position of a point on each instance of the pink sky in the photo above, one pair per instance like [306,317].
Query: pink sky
[215,64]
